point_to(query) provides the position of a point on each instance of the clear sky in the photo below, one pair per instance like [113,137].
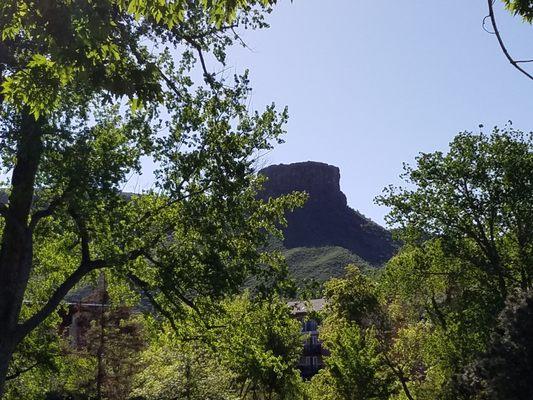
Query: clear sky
[369,84]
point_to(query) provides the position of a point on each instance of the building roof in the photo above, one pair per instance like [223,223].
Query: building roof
[302,307]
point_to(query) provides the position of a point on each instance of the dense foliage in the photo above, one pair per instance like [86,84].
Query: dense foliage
[92,91]
[251,353]
[504,370]
[427,327]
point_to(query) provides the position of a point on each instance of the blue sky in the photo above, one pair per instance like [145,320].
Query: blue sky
[369,84]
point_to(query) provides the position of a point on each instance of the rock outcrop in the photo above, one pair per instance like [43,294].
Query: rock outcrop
[326,219]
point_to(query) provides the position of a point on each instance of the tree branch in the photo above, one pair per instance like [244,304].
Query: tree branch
[85,266]
[207,75]
[400,375]
[48,211]
[31,323]
[84,236]
[4,209]
[145,288]
[181,296]
[20,371]
[513,62]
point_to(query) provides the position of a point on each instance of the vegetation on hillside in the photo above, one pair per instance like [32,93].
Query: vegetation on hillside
[318,264]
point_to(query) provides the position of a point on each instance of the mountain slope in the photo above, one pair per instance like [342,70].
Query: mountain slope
[320,263]
[326,220]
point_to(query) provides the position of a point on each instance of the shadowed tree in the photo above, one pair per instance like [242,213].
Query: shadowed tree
[504,371]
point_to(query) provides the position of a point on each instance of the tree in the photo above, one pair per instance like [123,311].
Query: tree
[261,344]
[466,223]
[356,366]
[476,200]
[433,286]
[189,370]
[91,88]
[353,332]
[252,354]
[504,371]
[101,365]
[115,341]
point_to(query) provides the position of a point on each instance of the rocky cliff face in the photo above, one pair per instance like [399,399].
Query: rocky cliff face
[326,219]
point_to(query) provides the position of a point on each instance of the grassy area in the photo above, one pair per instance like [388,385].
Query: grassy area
[320,263]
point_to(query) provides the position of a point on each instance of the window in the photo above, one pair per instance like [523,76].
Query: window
[315,361]
[314,339]
[310,325]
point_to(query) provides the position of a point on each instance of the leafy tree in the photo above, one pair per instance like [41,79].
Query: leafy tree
[91,88]
[320,387]
[251,354]
[98,363]
[115,341]
[261,343]
[424,282]
[37,360]
[381,344]
[356,367]
[183,369]
[476,200]
[524,8]
[504,371]
[466,221]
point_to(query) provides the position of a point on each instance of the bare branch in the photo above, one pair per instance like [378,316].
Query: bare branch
[20,371]
[502,44]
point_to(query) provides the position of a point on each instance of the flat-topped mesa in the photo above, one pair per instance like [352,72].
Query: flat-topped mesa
[326,219]
[321,181]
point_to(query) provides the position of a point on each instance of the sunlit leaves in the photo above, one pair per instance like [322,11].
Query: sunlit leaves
[524,8]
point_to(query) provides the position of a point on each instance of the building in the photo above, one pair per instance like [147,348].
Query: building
[313,353]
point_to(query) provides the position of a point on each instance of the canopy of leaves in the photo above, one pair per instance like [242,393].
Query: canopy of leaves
[466,220]
[505,369]
[92,91]
[477,200]
[524,8]
[262,344]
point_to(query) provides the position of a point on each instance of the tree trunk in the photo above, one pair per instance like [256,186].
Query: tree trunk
[16,250]
[6,351]
[100,374]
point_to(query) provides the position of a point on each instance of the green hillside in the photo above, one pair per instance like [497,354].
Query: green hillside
[320,263]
